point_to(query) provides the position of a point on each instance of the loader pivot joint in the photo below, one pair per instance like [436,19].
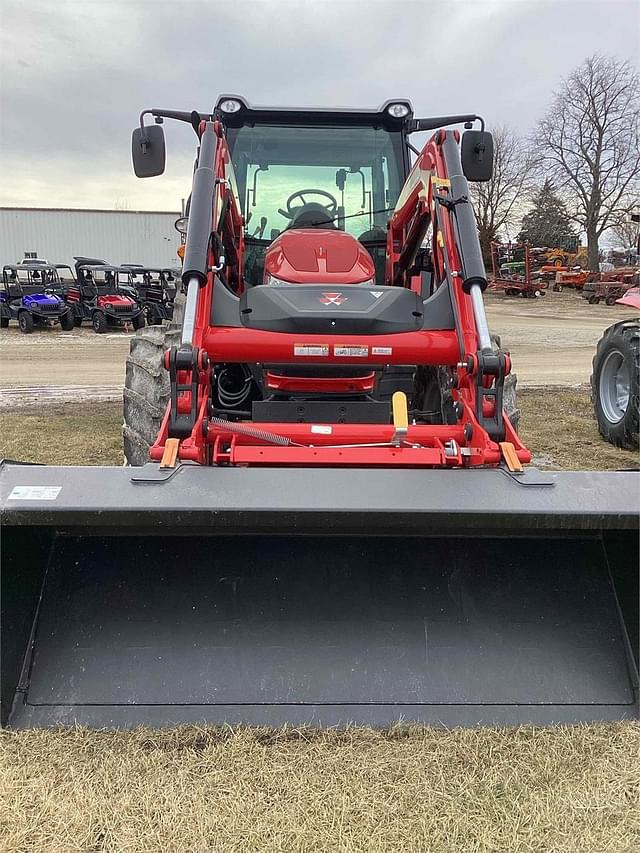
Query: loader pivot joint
[183,359]
[450,203]
[491,364]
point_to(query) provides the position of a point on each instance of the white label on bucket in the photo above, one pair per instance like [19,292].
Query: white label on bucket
[34,493]
[311,349]
[321,429]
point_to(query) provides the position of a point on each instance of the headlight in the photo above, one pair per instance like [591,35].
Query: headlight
[230,106]
[398,110]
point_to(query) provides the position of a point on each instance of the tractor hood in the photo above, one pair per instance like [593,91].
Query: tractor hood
[41,299]
[318,256]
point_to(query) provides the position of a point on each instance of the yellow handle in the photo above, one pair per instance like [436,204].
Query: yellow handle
[400,411]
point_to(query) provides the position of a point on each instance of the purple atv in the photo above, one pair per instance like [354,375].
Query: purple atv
[33,295]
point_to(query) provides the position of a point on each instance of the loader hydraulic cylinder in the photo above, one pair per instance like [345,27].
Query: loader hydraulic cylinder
[196,257]
[466,229]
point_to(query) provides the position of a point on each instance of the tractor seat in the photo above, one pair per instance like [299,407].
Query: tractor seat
[312,215]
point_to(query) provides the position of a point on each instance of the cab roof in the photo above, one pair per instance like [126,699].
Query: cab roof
[249,114]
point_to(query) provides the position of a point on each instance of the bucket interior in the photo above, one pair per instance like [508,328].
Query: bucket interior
[123,630]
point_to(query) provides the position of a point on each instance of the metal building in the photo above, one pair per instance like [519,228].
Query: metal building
[117,236]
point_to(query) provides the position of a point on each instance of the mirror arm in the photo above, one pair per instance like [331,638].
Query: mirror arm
[422,124]
[193,118]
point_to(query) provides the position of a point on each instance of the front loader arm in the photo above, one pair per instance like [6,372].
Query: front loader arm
[214,247]
[436,196]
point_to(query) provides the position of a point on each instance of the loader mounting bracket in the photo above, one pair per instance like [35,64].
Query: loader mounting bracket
[450,203]
[185,360]
[491,364]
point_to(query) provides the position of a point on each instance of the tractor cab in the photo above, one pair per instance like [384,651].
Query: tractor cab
[316,188]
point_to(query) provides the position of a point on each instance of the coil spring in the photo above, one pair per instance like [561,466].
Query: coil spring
[245,429]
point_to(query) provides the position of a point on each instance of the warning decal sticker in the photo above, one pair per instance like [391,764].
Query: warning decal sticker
[350,351]
[317,350]
[381,350]
[34,493]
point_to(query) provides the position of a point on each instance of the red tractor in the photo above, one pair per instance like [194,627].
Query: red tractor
[336,526]
[295,345]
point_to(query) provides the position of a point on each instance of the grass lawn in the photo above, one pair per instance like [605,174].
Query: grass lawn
[407,789]
[556,424]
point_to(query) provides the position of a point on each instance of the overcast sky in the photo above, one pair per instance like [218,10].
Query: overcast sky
[75,74]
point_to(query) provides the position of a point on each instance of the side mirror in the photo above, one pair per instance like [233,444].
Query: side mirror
[477,155]
[182,223]
[148,151]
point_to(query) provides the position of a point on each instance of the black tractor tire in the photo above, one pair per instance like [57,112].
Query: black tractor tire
[67,322]
[146,389]
[615,384]
[25,322]
[154,317]
[433,381]
[4,322]
[99,322]
[138,321]
[509,391]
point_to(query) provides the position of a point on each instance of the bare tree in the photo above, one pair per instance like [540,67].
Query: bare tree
[498,201]
[627,231]
[590,144]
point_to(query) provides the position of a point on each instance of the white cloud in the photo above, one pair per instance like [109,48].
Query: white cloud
[75,75]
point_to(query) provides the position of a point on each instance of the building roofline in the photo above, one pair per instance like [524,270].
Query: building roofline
[88,210]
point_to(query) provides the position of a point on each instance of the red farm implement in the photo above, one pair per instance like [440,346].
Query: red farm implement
[512,271]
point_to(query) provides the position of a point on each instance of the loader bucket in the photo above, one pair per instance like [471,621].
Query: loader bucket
[268,596]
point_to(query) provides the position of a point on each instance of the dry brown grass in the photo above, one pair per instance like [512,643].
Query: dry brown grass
[556,424]
[72,434]
[571,790]
[557,790]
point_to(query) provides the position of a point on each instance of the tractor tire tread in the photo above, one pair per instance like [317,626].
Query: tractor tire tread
[624,336]
[146,390]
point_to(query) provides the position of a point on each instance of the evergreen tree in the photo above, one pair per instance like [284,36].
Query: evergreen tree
[548,222]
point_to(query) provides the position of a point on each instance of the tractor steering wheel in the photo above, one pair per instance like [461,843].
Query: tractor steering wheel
[331,208]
